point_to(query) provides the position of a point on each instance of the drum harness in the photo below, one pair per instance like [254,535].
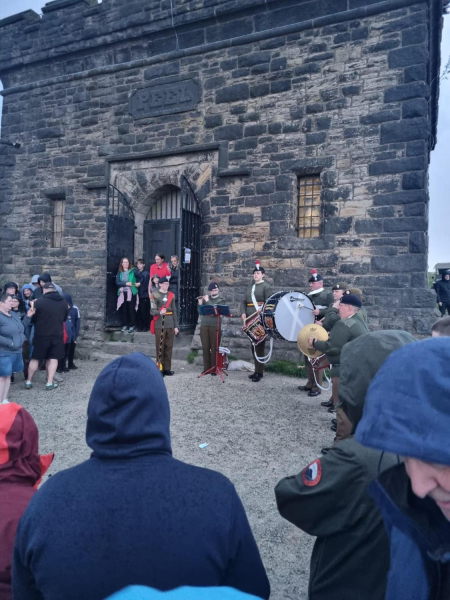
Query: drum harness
[261,359]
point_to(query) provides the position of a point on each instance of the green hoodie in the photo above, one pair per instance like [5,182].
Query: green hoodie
[328,498]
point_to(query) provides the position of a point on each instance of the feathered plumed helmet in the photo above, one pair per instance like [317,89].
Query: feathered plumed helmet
[258,268]
[315,276]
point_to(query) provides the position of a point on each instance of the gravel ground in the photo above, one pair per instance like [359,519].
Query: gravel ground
[257,434]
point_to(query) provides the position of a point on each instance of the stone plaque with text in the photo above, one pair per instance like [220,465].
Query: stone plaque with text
[165,99]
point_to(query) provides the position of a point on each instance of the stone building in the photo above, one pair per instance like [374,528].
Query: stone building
[296,132]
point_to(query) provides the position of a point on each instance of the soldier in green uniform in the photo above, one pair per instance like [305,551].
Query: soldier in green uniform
[347,329]
[329,499]
[208,327]
[256,294]
[328,317]
[322,300]
[163,307]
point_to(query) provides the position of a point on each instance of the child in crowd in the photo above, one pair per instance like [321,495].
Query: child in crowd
[72,325]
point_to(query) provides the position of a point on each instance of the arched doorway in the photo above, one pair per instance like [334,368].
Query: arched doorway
[172,225]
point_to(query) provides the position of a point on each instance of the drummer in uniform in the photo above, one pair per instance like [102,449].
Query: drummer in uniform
[163,307]
[256,294]
[322,300]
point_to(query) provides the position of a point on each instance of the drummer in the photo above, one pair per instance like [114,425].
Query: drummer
[322,300]
[255,296]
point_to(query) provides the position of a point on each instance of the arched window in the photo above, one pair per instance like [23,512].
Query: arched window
[167,207]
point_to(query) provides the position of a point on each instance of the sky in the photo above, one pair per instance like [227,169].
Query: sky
[439,249]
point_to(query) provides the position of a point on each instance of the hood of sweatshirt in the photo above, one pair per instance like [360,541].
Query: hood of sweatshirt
[20,462]
[27,286]
[361,360]
[56,296]
[68,299]
[407,409]
[128,411]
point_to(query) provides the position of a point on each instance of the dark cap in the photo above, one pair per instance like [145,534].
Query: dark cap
[340,286]
[49,286]
[164,280]
[315,276]
[352,300]
[258,267]
[212,286]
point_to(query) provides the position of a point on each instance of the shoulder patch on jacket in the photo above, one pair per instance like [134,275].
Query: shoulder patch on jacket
[312,474]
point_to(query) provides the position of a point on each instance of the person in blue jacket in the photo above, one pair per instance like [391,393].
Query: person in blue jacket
[407,412]
[72,324]
[132,514]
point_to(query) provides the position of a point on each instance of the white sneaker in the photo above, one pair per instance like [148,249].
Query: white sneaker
[5,401]
[58,378]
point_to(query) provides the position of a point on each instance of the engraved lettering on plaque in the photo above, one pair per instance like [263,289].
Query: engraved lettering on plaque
[168,98]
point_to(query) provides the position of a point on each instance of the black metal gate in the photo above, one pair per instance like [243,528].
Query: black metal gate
[119,244]
[190,251]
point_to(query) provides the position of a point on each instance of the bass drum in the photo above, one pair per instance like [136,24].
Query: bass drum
[285,314]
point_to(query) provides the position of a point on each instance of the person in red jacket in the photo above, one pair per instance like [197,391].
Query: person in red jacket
[21,469]
[160,268]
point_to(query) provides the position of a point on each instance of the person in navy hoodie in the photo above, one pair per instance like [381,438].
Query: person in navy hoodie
[407,412]
[72,324]
[132,514]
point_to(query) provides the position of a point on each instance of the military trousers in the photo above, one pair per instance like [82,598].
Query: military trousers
[259,350]
[344,425]
[311,383]
[208,336]
[334,390]
[164,346]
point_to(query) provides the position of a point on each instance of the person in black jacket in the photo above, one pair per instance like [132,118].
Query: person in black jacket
[48,315]
[443,292]
[131,513]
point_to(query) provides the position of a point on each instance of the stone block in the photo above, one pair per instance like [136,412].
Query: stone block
[244,219]
[418,107]
[405,224]
[212,121]
[382,212]
[418,242]
[360,33]
[323,123]
[342,38]
[229,132]
[368,226]
[405,130]
[312,109]
[220,200]
[247,144]
[9,235]
[415,210]
[351,90]
[278,64]
[275,128]
[315,138]
[405,57]
[214,82]
[380,117]
[254,58]
[265,187]
[417,298]
[409,196]
[283,183]
[278,212]
[400,165]
[254,130]
[414,181]
[297,112]
[416,148]
[233,93]
[416,89]
[307,69]
[353,268]
[383,46]
[320,57]
[260,89]
[415,35]
[403,263]
[338,225]
[218,241]
[415,73]
[277,87]
[49,133]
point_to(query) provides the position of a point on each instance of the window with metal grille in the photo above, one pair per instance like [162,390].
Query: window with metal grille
[58,223]
[167,207]
[309,212]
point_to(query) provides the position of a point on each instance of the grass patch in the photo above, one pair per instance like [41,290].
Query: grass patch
[192,356]
[289,368]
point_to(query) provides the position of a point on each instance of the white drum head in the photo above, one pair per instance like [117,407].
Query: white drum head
[293,311]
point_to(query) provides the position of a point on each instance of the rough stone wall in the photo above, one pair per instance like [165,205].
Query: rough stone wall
[346,98]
